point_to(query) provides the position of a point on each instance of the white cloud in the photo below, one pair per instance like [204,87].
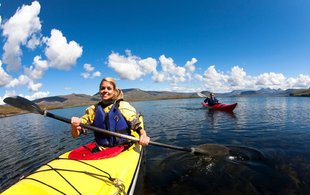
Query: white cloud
[237,79]
[17,30]
[34,87]
[24,29]
[37,71]
[302,81]
[90,72]
[33,42]
[158,77]
[271,79]
[173,73]
[24,80]
[60,54]
[85,75]
[96,74]
[37,95]
[7,94]
[21,80]
[4,77]
[190,65]
[131,67]
[147,65]
[214,79]
[88,67]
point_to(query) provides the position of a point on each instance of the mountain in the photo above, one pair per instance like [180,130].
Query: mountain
[300,92]
[269,92]
[71,100]
[134,94]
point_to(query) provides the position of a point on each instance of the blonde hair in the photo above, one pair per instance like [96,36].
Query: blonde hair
[118,92]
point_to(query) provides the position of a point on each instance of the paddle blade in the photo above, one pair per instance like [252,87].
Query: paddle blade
[24,104]
[201,95]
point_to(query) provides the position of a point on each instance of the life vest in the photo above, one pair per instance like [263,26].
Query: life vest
[112,121]
[211,101]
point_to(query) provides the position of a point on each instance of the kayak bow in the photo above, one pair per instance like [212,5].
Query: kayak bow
[67,175]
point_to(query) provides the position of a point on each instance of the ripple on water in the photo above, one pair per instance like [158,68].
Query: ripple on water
[225,169]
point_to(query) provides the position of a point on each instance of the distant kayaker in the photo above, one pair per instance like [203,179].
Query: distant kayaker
[113,114]
[211,100]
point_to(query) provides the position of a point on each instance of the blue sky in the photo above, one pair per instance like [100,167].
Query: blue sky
[60,47]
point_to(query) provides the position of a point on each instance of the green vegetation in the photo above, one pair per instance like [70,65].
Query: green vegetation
[9,111]
[301,92]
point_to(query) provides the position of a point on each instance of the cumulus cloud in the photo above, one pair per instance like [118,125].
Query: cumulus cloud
[38,68]
[131,67]
[37,95]
[21,80]
[24,29]
[237,79]
[7,94]
[90,72]
[271,79]
[88,67]
[34,87]
[18,30]
[34,41]
[180,77]
[60,54]
[302,81]
[4,77]
[212,78]
[172,72]
[24,80]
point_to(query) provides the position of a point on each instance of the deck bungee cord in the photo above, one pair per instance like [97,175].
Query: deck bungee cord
[106,178]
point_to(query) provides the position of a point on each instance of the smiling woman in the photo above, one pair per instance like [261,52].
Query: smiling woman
[112,113]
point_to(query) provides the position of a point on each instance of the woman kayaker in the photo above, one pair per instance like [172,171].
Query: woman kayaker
[113,114]
[211,100]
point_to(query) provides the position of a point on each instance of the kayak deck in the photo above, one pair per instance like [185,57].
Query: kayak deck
[69,176]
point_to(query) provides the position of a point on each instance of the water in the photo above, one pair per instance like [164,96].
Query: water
[260,148]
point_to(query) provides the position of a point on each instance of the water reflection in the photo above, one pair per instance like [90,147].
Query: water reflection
[227,170]
[216,119]
[262,148]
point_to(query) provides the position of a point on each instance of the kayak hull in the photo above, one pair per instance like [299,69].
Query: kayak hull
[222,107]
[111,175]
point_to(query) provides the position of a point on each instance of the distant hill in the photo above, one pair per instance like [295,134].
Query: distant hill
[269,92]
[300,92]
[71,100]
[135,94]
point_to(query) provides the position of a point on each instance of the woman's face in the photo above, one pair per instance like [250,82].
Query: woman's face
[106,91]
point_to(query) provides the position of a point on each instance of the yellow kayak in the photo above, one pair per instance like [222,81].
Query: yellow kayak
[81,172]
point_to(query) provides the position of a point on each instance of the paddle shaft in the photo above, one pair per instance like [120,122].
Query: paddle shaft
[25,104]
[66,120]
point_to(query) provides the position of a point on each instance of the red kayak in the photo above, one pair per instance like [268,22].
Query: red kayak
[219,106]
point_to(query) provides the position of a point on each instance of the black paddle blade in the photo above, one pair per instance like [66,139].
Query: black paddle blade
[24,104]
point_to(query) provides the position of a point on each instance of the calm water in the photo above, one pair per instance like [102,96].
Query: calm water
[261,148]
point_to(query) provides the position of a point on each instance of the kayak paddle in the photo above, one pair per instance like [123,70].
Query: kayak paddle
[201,95]
[25,104]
